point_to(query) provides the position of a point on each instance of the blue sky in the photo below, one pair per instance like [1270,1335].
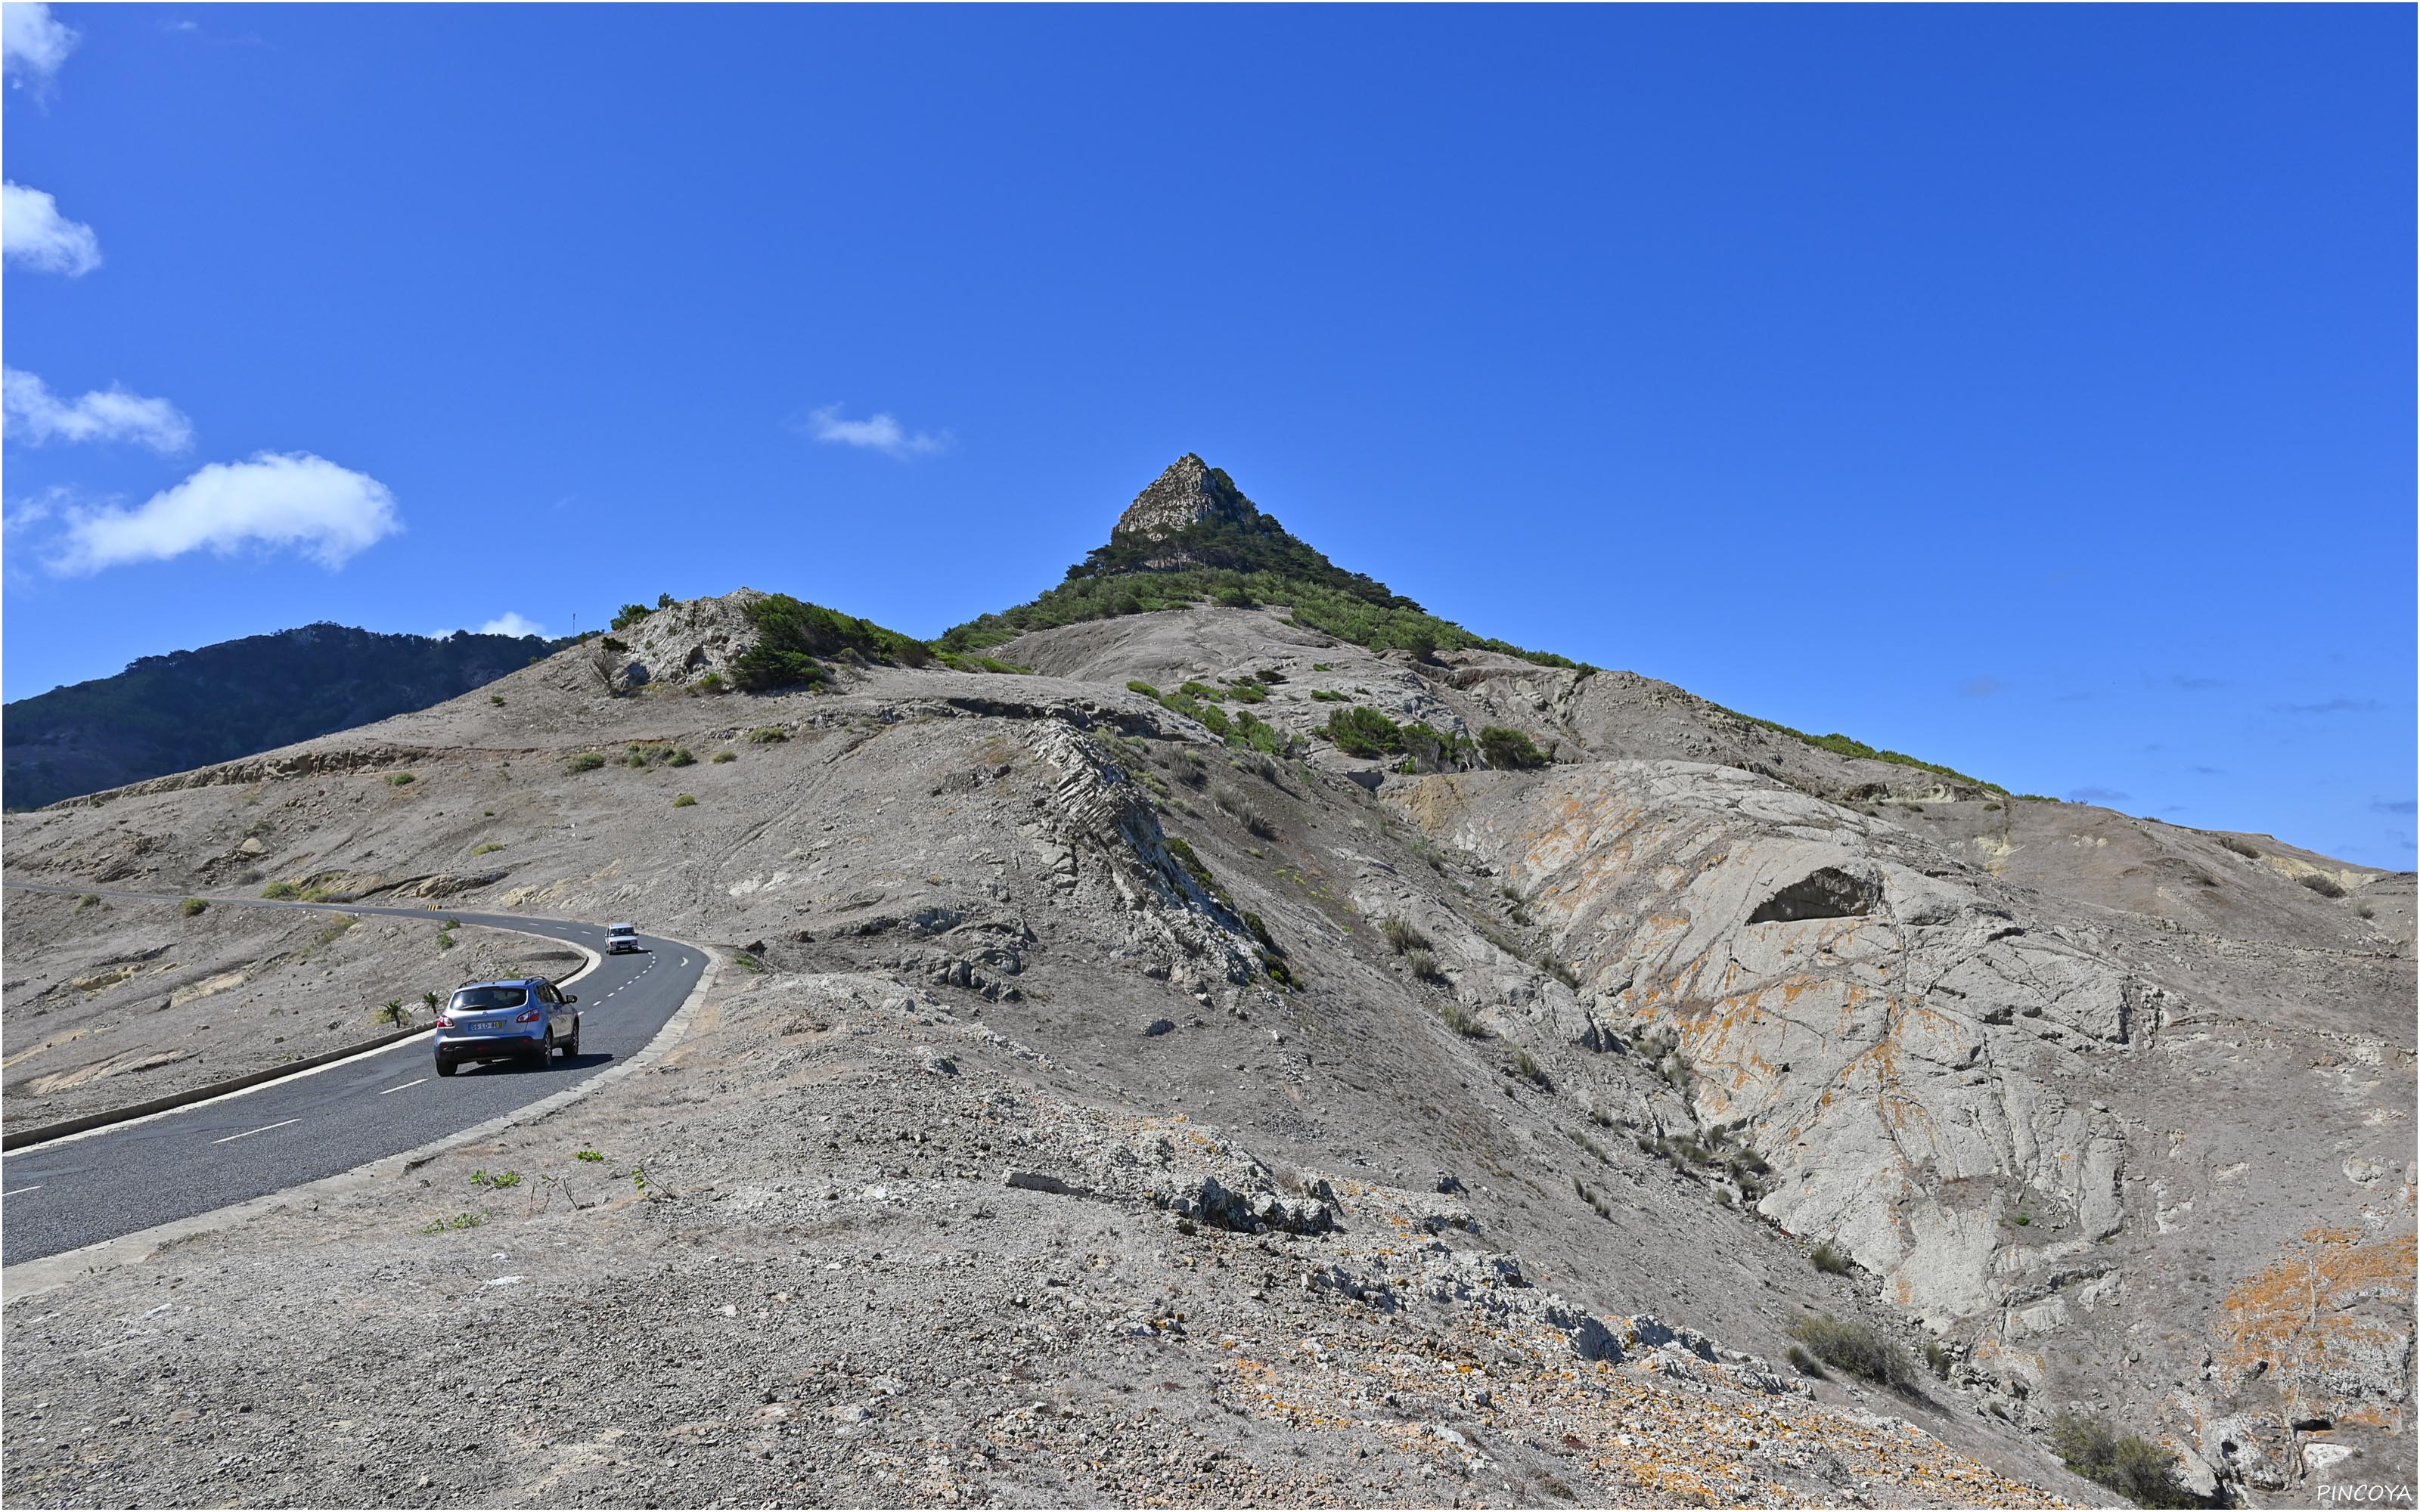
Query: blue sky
[2027,388]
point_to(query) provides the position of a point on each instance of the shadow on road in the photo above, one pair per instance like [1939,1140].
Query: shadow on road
[535,1068]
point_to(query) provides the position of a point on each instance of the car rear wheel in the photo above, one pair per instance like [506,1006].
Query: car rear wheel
[447,1068]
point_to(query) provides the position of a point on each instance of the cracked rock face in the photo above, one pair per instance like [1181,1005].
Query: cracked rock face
[1189,492]
[1855,1014]
[680,645]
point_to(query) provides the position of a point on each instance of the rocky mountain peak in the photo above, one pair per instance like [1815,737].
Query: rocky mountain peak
[1189,492]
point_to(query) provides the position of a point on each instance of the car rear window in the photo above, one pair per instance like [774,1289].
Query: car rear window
[475,998]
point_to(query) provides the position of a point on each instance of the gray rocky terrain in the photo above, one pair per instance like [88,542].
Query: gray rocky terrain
[1093,1110]
[127,1000]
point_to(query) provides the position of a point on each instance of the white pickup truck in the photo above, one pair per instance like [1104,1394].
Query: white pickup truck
[621,939]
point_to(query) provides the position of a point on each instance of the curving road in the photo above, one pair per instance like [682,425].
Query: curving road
[115,1180]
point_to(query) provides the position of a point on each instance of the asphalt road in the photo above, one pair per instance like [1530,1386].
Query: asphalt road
[94,1186]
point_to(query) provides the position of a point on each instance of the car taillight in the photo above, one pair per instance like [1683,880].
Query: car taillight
[444,1023]
[530,1017]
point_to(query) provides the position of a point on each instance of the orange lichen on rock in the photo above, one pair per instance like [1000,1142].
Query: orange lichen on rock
[2331,1312]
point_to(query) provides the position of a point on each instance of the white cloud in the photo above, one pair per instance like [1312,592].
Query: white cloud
[509,623]
[20,513]
[882,433]
[273,501]
[111,414]
[33,232]
[32,43]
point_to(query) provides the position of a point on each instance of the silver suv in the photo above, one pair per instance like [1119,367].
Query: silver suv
[621,939]
[525,1019]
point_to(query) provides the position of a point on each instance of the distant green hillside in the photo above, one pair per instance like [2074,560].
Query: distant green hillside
[191,709]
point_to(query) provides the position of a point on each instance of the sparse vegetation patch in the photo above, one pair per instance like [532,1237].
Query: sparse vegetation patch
[2134,1467]
[795,641]
[1859,1349]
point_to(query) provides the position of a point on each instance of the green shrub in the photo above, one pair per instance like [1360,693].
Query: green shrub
[1208,715]
[1510,749]
[721,756]
[710,682]
[1324,695]
[1829,1260]
[393,1012]
[1424,965]
[1200,873]
[795,639]
[2134,1467]
[967,662]
[1840,745]
[1525,1065]
[1804,1364]
[629,615]
[684,801]
[1403,935]
[496,699]
[587,761]
[1364,733]
[2244,848]
[486,848]
[1937,1359]
[1463,1020]
[2320,883]
[1138,686]
[1255,733]
[1858,1349]
[400,779]
[1371,736]
[285,891]
[191,906]
[767,736]
[1239,564]
[681,758]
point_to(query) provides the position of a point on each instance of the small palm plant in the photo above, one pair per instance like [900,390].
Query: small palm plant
[393,1013]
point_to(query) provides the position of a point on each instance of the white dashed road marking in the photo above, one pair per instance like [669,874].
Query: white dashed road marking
[404,1087]
[249,1133]
[35,1187]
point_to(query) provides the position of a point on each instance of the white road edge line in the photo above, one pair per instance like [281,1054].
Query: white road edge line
[405,1088]
[249,1133]
[28,1279]
[107,1129]
[13,1191]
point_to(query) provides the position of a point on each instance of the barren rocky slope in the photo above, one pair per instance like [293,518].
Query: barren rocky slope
[114,1001]
[2115,1118]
